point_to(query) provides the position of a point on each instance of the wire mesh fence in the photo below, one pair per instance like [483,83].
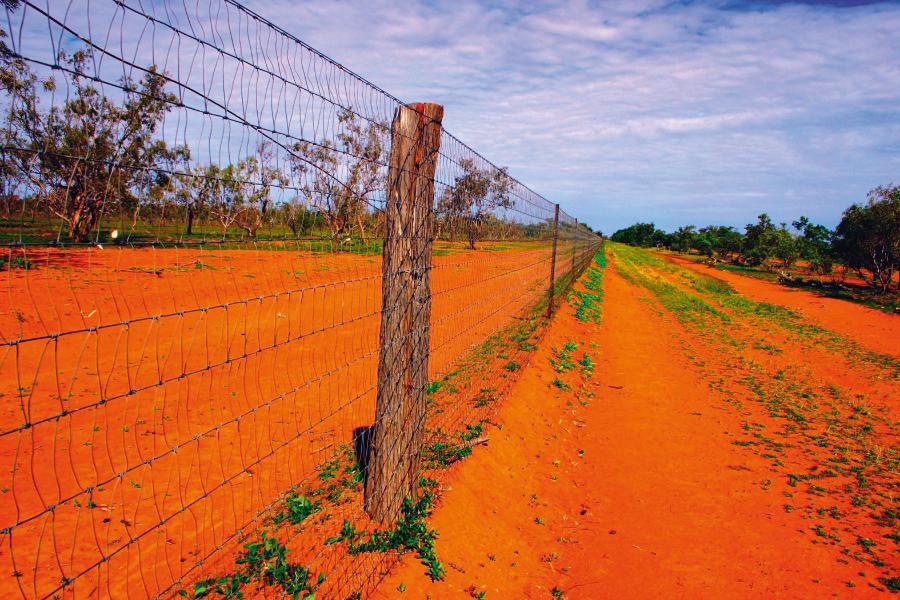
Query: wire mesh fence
[228,264]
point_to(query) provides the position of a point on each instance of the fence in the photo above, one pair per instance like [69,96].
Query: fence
[247,294]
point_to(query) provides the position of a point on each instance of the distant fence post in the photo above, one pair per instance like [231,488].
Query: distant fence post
[394,447]
[553,263]
[574,249]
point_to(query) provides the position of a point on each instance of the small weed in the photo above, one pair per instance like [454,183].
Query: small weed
[472,432]
[16,262]
[587,365]
[475,593]
[588,302]
[266,561]
[443,453]
[296,510]
[561,361]
[866,543]
[484,397]
[411,533]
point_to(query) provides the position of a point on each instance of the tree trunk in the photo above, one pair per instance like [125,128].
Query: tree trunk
[362,231]
[82,222]
[190,220]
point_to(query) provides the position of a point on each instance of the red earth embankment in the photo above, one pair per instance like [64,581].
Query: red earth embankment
[876,330]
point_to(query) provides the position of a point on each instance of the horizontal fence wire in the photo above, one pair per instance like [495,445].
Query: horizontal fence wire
[192,227]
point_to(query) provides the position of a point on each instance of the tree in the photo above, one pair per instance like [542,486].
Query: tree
[90,153]
[815,244]
[763,240]
[473,196]
[868,237]
[240,193]
[157,188]
[197,189]
[784,246]
[684,238]
[662,239]
[706,240]
[342,177]
[298,217]
[725,241]
[639,234]
[229,193]
[758,241]
[260,176]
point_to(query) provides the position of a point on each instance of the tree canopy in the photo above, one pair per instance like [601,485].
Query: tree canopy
[81,154]
[868,236]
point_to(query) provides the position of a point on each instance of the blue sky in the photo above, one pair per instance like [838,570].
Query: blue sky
[675,112]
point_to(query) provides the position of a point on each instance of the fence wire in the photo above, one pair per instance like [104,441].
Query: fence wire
[193,222]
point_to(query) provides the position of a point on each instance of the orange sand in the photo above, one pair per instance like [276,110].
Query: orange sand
[132,450]
[641,492]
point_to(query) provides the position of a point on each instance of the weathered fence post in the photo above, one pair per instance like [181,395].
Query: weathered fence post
[394,452]
[553,263]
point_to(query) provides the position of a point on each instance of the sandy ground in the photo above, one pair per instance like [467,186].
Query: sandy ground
[644,479]
[189,388]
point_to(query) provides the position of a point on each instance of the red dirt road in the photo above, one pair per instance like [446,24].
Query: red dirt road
[639,491]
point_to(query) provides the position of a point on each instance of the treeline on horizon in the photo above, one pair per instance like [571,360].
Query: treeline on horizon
[867,240]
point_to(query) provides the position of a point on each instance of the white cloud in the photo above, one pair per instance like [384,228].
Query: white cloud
[649,111]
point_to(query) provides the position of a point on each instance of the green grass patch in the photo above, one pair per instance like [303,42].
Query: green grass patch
[411,533]
[588,301]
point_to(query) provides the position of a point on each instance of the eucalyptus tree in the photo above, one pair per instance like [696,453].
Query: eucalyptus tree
[89,154]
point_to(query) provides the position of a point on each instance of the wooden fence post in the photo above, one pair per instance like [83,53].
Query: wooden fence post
[574,250]
[394,444]
[553,263]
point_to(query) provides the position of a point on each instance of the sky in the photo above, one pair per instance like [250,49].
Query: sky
[671,112]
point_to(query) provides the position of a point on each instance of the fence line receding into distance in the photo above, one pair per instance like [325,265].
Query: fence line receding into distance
[248,298]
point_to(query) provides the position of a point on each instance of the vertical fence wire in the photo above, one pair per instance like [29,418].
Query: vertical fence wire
[192,228]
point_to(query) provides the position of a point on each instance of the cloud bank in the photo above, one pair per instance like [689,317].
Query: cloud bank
[676,112]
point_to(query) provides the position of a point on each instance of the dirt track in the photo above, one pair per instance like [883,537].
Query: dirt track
[721,448]
[876,330]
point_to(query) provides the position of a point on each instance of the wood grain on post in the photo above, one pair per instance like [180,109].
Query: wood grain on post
[553,263]
[395,441]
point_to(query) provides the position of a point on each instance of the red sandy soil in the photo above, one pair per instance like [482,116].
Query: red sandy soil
[877,330]
[641,493]
[251,394]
